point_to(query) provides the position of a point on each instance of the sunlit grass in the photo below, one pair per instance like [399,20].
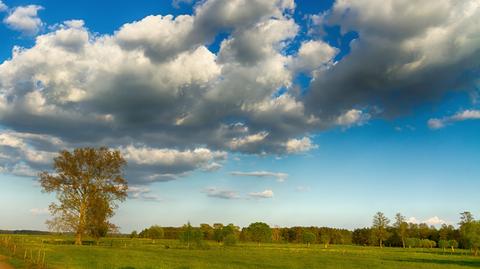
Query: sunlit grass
[144,253]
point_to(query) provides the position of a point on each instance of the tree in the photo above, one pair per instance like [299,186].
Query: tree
[207,231]
[260,232]
[402,227]
[191,235]
[443,244]
[88,183]
[308,237]
[154,232]
[446,232]
[471,235]
[97,218]
[379,227]
[465,218]
[218,232]
[134,234]
[453,244]
[325,239]
[230,240]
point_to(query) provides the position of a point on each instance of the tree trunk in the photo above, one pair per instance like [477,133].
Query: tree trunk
[78,239]
[81,223]
[403,242]
[381,245]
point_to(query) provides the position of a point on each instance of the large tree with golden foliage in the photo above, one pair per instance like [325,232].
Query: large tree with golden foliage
[88,183]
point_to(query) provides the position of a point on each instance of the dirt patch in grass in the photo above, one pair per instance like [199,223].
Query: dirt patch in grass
[4,264]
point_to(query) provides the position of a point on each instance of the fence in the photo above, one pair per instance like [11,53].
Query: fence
[18,247]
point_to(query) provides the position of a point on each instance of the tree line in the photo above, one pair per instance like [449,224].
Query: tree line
[89,184]
[258,232]
[409,235]
[382,233]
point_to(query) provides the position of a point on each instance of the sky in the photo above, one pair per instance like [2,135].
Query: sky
[310,113]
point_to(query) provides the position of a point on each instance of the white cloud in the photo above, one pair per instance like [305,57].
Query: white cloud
[142,193]
[39,211]
[153,164]
[221,193]
[300,145]
[156,84]
[249,140]
[280,177]
[176,3]
[214,166]
[3,7]
[25,19]
[460,116]
[435,221]
[262,195]
[402,56]
[169,157]
[314,54]
[435,123]
[352,117]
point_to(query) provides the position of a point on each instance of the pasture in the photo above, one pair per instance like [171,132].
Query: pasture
[55,252]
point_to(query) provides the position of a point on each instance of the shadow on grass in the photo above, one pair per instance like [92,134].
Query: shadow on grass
[471,263]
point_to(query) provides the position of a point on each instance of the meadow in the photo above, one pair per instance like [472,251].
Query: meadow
[55,252]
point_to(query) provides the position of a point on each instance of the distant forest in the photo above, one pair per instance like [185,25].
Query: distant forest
[397,234]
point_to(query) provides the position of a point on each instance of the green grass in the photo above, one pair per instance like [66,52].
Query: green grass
[143,254]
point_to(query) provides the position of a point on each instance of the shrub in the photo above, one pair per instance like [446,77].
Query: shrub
[230,240]
[308,237]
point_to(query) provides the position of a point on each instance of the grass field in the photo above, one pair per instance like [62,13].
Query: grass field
[143,254]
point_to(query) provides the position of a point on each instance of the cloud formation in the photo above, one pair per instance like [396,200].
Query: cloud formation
[435,221]
[142,193]
[280,177]
[3,7]
[23,19]
[221,193]
[435,123]
[405,54]
[155,90]
[261,195]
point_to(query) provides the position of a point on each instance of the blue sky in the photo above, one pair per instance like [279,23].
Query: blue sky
[292,113]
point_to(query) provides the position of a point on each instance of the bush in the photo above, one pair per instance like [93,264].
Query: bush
[412,242]
[191,236]
[308,237]
[230,240]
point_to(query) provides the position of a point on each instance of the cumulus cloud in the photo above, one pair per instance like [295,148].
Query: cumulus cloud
[299,145]
[24,19]
[151,164]
[435,221]
[280,177]
[314,55]
[221,193]
[404,55]
[435,123]
[3,7]
[155,80]
[261,195]
[155,90]
[22,154]
[352,117]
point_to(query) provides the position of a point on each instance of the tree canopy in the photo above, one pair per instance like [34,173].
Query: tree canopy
[88,183]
